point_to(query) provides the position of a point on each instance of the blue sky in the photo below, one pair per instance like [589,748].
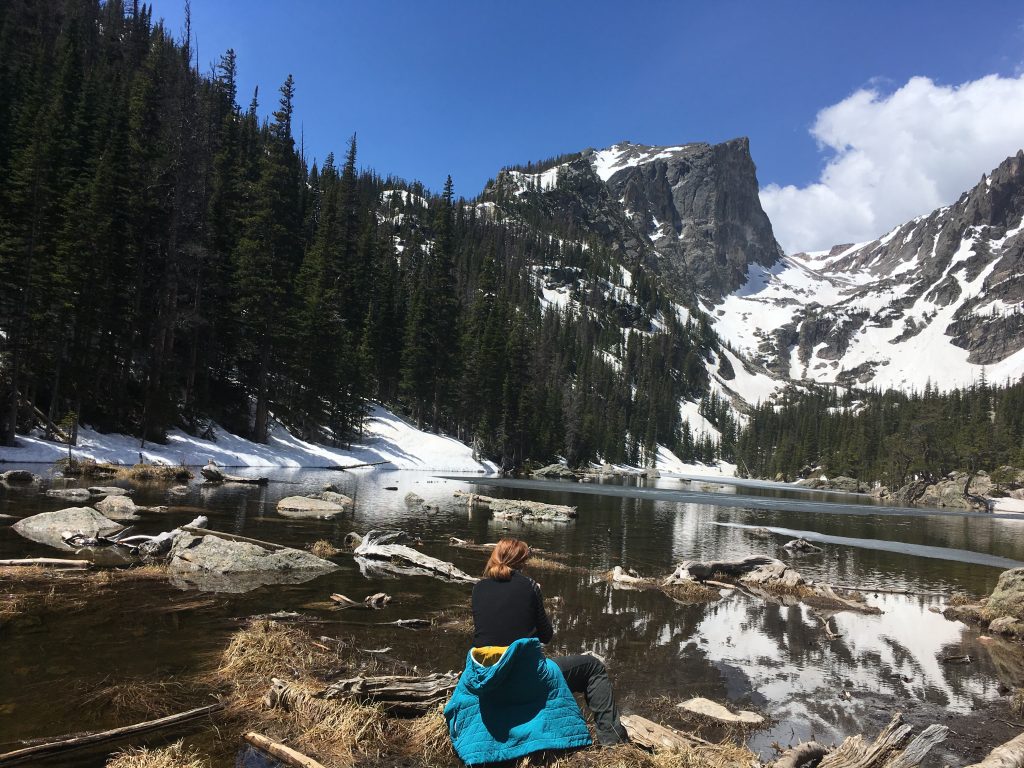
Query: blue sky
[465,88]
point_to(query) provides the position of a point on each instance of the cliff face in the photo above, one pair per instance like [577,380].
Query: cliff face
[698,206]
[690,212]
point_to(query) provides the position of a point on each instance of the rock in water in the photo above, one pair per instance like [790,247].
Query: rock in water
[47,527]
[715,711]
[69,494]
[118,508]
[336,498]
[303,506]
[413,500]
[218,565]
[108,490]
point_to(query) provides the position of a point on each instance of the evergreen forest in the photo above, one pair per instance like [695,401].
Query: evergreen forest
[168,259]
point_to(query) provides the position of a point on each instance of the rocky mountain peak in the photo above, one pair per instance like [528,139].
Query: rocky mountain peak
[691,212]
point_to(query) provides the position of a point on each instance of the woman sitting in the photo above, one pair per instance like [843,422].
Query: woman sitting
[511,700]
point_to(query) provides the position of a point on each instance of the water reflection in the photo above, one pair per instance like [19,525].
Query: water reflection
[749,652]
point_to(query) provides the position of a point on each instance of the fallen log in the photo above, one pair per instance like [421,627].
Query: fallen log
[1008,755]
[375,555]
[50,562]
[280,752]
[890,749]
[804,755]
[715,711]
[520,509]
[202,531]
[398,694]
[212,474]
[650,735]
[766,576]
[70,743]
[357,466]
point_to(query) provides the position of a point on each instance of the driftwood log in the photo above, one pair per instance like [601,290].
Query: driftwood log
[147,546]
[520,509]
[377,555]
[280,752]
[69,743]
[766,577]
[212,474]
[1008,755]
[357,466]
[894,748]
[398,694]
[657,738]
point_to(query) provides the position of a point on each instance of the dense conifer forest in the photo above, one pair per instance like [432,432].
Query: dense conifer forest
[170,259]
[890,436]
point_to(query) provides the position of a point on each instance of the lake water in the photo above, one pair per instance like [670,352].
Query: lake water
[753,654]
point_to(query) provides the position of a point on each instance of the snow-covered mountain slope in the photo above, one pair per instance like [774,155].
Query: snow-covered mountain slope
[937,300]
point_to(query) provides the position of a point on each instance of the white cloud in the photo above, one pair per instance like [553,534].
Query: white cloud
[897,156]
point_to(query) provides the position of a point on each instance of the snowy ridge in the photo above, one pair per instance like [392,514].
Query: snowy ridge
[936,301]
[387,438]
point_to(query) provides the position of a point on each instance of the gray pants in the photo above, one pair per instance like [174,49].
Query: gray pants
[587,675]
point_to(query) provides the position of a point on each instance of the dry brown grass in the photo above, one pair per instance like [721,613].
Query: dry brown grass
[91,469]
[691,592]
[174,756]
[959,598]
[140,699]
[323,548]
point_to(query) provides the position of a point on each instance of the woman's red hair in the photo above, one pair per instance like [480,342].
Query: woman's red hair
[508,555]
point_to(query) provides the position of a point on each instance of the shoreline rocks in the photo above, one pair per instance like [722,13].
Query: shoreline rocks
[47,527]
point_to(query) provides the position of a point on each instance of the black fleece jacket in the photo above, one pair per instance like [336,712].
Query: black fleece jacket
[505,611]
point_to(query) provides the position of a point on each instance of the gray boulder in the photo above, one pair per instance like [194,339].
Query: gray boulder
[46,528]
[218,565]
[413,499]
[1007,599]
[69,494]
[118,508]
[556,471]
[303,506]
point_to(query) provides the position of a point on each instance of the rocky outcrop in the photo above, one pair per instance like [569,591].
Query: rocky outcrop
[691,212]
[840,483]
[958,490]
[216,564]
[557,471]
[47,527]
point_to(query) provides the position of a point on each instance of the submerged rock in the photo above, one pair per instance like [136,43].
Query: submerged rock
[118,508]
[413,500]
[304,506]
[69,494]
[218,565]
[46,528]
[108,490]
[336,498]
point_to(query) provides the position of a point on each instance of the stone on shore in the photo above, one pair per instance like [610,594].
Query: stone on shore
[1007,599]
[556,470]
[46,528]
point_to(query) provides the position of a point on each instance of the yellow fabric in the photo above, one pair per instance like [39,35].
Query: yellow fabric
[488,655]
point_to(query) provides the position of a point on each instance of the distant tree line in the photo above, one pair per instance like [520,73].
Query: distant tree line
[889,436]
[169,259]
